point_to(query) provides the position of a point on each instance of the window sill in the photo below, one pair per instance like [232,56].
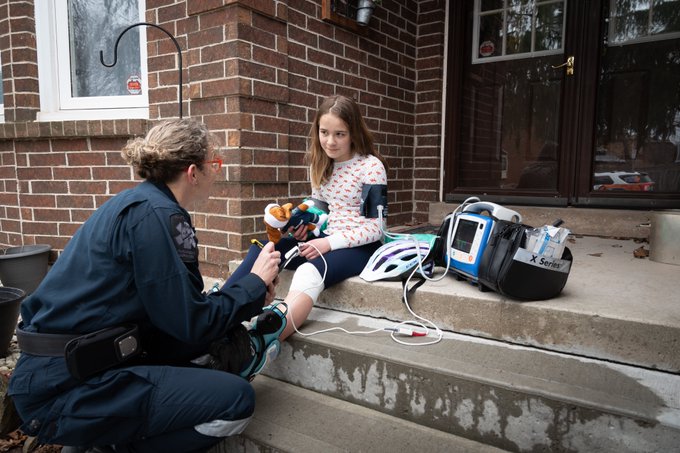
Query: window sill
[73,129]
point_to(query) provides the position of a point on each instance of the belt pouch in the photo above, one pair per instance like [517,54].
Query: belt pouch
[98,351]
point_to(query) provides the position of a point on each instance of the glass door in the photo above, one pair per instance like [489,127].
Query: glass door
[636,143]
[560,102]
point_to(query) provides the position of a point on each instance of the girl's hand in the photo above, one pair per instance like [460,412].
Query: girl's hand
[309,252]
[299,233]
[266,265]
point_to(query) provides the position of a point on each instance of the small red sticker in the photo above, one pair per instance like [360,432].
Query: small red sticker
[487,49]
[134,85]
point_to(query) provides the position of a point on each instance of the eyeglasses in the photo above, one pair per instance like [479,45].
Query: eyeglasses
[215,164]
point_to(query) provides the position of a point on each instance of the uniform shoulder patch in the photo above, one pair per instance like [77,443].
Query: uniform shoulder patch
[184,238]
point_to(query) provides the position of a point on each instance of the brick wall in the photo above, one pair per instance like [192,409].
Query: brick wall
[255,72]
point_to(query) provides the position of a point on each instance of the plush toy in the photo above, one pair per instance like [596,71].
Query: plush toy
[279,218]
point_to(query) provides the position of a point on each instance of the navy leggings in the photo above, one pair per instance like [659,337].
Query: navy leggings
[342,263]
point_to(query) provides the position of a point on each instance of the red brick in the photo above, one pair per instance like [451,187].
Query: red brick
[87,187]
[75,201]
[111,173]
[87,159]
[41,228]
[227,87]
[33,173]
[46,187]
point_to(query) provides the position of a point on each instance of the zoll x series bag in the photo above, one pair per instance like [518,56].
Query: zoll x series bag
[510,269]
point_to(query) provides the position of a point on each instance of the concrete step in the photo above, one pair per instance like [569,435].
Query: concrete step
[512,397]
[614,307]
[291,419]
[611,223]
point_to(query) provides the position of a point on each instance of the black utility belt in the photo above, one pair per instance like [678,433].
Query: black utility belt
[86,355]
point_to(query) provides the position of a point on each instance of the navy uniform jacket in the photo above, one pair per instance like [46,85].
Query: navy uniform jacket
[135,260]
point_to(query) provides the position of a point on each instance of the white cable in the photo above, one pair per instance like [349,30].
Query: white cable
[331,329]
[436,328]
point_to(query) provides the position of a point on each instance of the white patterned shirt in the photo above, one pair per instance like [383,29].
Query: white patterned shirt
[346,227]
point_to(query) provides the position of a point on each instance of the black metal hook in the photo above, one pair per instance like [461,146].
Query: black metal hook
[179,54]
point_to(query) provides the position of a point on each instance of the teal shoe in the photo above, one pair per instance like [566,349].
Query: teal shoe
[264,338]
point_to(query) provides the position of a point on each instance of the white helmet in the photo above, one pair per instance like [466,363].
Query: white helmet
[394,259]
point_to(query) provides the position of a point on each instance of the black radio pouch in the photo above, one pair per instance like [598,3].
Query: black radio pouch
[95,352]
[509,269]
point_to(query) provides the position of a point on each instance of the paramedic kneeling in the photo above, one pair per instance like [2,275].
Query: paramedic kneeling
[110,336]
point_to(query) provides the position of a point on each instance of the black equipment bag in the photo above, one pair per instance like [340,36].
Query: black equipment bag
[509,269]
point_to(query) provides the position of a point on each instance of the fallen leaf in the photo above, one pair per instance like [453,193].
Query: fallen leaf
[596,254]
[641,252]
[14,439]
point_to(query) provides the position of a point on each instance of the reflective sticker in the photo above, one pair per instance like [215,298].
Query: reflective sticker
[184,238]
[222,428]
[541,261]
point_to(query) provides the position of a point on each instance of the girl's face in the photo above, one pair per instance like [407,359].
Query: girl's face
[334,138]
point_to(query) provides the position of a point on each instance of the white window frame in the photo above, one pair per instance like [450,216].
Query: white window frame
[476,59]
[54,74]
[612,42]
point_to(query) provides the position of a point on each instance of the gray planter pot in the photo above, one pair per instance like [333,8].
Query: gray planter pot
[10,301]
[364,11]
[24,267]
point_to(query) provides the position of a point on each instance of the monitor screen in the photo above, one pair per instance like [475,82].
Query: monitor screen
[465,235]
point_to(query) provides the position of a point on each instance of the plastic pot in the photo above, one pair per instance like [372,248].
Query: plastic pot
[24,267]
[10,301]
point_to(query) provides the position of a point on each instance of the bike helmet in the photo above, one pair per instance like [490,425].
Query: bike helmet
[394,259]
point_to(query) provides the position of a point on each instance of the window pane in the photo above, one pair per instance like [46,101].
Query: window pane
[519,30]
[517,4]
[665,17]
[94,25]
[549,20]
[510,122]
[631,19]
[488,5]
[490,41]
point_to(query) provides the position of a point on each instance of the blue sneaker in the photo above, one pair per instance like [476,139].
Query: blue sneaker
[264,338]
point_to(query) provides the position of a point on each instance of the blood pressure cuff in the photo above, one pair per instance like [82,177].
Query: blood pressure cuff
[372,196]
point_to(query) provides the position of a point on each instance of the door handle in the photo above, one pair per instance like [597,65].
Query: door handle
[569,64]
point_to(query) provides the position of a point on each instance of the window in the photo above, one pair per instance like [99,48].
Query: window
[73,82]
[634,21]
[510,29]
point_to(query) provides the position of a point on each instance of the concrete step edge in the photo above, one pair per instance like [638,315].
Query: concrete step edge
[430,384]
[291,419]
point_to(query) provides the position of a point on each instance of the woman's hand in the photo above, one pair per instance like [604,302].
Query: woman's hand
[271,292]
[266,265]
[320,246]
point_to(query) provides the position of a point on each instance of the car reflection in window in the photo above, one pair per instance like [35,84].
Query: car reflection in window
[623,181]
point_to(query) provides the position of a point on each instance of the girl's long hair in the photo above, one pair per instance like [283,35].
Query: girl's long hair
[345,108]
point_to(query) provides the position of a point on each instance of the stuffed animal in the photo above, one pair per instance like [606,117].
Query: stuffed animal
[279,218]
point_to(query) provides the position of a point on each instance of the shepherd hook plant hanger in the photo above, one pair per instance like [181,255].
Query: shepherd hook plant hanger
[179,55]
